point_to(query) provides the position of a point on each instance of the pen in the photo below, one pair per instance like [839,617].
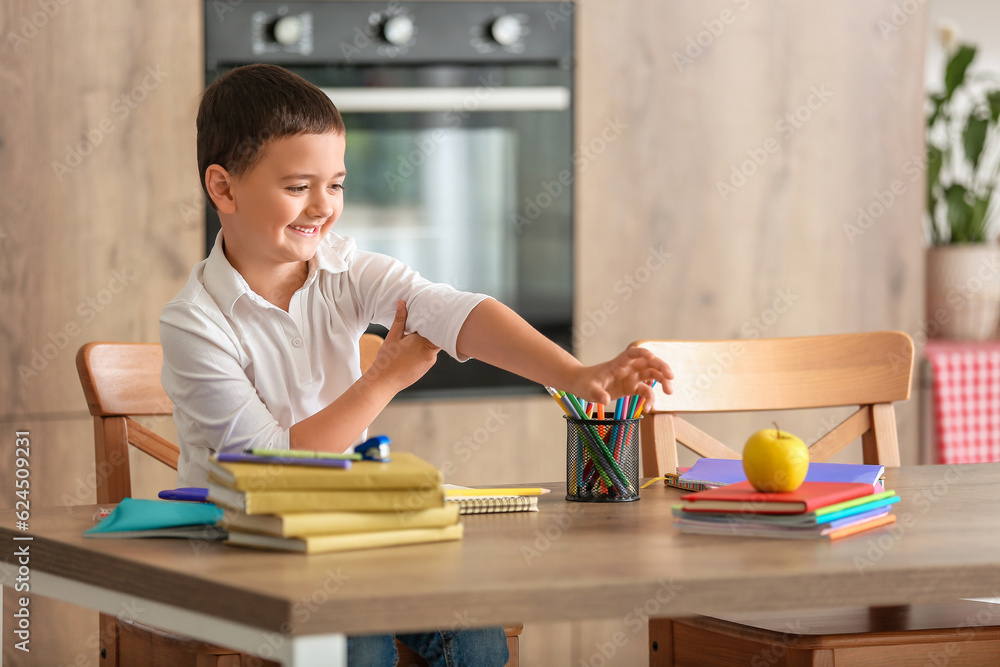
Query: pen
[642,402]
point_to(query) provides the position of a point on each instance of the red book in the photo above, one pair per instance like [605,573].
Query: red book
[743,498]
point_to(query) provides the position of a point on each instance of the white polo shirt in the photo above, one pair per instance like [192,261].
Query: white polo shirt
[241,371]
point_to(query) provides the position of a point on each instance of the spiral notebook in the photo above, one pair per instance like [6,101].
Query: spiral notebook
[493,504]
[473,501]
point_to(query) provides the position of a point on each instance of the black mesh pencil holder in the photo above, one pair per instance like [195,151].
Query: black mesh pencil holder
[602,460]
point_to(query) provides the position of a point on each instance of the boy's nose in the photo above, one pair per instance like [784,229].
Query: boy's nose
[319,207]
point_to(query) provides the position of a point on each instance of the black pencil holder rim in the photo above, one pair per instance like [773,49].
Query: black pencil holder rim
[602,422]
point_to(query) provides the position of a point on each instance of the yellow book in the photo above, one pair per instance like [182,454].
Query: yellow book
[309,500]
[316,544]
[404,471]
[303,524]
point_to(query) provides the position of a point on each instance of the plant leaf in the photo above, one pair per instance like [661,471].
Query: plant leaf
[937,99]
[977,219]
[959,213]
[994,100]
[933,173]
[954,73]
[973,139]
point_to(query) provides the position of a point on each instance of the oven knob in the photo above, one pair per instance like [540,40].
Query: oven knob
[505,30]
[288,30]
[398,30]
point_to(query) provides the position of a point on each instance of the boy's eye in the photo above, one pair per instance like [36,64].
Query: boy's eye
[298,188]
[336,186]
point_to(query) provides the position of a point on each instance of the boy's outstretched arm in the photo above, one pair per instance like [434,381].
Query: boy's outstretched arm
[495,334]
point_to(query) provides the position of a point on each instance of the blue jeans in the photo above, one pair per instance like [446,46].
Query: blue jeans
[478,647]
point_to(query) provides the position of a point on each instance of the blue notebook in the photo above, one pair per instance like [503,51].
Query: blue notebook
[721,472]
[139,517]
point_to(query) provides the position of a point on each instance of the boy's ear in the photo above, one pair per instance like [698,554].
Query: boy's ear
[219,184]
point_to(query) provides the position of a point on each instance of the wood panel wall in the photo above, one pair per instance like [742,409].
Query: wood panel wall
[100,223]
[671,98]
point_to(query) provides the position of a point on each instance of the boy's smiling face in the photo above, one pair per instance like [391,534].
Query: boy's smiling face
[278,212]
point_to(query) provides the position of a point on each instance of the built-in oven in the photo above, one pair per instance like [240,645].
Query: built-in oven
[459,141]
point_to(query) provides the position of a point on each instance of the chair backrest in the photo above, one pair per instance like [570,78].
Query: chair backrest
[370,345]
[870,370]
[122,380]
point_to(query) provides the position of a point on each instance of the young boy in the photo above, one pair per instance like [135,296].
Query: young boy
[261,346]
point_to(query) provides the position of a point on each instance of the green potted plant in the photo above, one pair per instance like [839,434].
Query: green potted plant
[963,171]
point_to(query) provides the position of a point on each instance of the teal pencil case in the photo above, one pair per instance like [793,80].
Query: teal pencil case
[139,517]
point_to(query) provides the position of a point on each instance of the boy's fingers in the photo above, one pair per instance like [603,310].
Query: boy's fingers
[398,323]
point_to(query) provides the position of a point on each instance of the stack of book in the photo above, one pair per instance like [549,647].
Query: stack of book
[816,510]
[323,505]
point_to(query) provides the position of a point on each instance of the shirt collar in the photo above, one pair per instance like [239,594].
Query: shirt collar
[226,285]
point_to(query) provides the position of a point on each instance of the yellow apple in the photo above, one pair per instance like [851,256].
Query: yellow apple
[775,461]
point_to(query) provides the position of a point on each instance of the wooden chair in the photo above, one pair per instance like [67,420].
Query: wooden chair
[869,370]
[121,381]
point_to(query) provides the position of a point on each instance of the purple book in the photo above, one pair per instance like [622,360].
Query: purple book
[721,472]
[277,459]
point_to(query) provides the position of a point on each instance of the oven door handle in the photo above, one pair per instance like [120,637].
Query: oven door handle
[458,100]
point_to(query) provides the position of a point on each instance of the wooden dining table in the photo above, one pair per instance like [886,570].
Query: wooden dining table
[568,561]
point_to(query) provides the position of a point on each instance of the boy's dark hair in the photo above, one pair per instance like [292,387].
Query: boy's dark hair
[248,106]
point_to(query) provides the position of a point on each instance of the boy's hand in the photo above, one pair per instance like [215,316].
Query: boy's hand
[624,375]
[403,358]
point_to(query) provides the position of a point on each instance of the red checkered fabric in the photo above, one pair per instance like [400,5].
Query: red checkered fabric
[966,400]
